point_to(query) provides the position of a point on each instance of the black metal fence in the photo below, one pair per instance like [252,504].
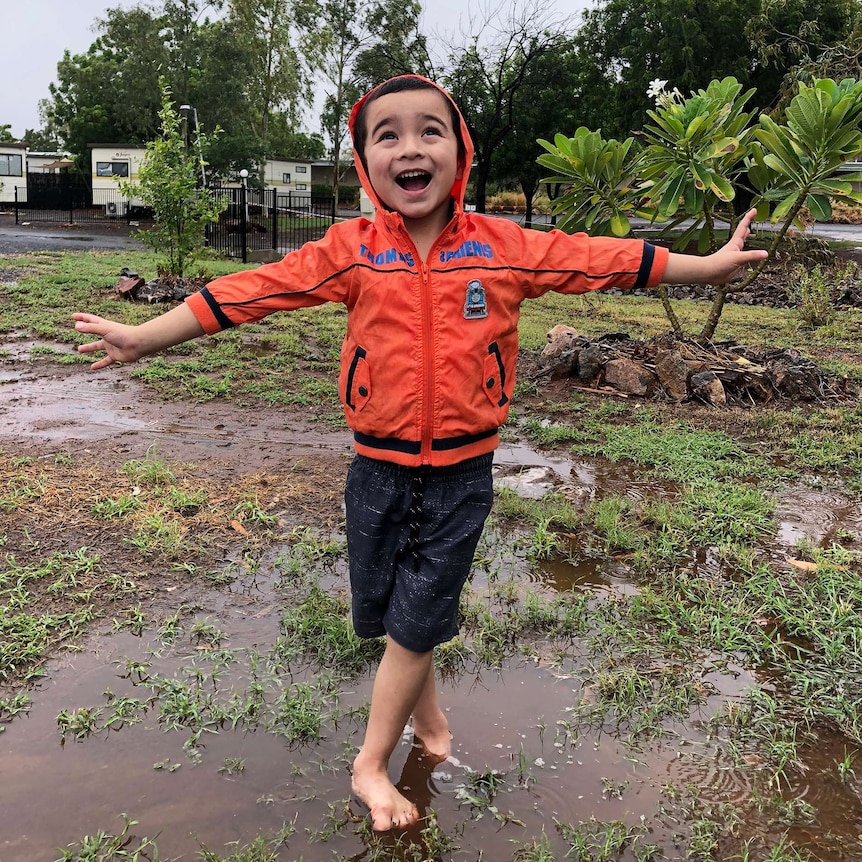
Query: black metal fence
[69,198]
[256,223]
[260,221]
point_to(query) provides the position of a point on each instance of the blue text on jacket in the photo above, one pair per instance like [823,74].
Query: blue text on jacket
[391,255]
[471,248]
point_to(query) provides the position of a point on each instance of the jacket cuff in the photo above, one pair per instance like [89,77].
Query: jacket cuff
[653,265]
[208,312]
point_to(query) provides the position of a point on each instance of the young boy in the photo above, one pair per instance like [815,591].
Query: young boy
[427,371]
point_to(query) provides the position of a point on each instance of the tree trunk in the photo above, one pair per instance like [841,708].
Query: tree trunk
[707,333]
[711,322]
[668,310]
[481,186]
[336,174]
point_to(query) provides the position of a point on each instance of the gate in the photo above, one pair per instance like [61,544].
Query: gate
[256,220]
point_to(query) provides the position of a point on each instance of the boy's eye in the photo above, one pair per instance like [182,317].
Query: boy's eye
[432,130]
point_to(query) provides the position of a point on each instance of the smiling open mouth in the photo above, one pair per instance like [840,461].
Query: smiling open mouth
[413,181]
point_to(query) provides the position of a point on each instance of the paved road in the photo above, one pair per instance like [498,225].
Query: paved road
[59,237]
[51,237]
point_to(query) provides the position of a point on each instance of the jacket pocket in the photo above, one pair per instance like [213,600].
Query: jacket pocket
[494,383]
[357,389]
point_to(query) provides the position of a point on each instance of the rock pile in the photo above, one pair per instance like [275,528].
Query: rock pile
[678,370]
[164,288]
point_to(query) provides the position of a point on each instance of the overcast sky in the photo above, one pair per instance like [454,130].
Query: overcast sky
[37,33]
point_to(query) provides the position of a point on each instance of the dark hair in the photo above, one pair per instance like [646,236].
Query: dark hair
[398,85]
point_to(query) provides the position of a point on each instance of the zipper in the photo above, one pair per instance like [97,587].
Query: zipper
[425,309]
[359,353]
[427,339]
[428,363]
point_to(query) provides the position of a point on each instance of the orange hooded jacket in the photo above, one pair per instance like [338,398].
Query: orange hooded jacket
[428,361]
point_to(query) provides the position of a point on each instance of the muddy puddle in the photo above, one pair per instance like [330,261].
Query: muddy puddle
[520,765]
[69,404]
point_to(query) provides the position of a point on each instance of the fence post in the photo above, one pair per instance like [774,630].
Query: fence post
[243,222]
[16,204]
[274,219]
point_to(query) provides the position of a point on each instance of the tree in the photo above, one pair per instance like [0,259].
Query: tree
[6,133]
[333,34]
[219,90]
[486,77]
[275,77]
[284,140]
[695,148]
[625,44]
[111,93]
[398,47]
[543,105]
[168,183]
[803,41]
[183,33]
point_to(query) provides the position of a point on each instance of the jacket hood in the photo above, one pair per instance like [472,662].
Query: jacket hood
[460,184]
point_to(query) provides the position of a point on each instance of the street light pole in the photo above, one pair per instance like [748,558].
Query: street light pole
[185,109]
[243,175]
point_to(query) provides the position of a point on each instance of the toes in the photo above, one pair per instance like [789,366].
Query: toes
[384,821]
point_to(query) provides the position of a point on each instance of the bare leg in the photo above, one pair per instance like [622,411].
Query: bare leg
[398,684]
[430,724]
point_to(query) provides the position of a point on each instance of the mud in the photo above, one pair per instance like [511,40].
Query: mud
[512,721]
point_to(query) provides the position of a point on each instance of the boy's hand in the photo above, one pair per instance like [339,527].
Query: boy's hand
[116,339]
[719,267]
[124,343]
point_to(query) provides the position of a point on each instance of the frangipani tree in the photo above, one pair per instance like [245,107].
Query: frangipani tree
[798,164]
[601,179]
[697,150]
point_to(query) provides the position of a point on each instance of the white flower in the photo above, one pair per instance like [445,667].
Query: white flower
[656,88]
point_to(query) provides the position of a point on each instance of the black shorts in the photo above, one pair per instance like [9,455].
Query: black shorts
[411,536]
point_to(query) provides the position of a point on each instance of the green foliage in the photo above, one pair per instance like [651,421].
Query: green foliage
[545,103]
[274,64]
[601,177]
[625,44]
[489,77]
[695,152]
[169,185]
[333,34]
[811,289]
[110,93]
[796,164]
[398,45]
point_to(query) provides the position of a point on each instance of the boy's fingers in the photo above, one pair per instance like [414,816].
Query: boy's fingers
[91,346]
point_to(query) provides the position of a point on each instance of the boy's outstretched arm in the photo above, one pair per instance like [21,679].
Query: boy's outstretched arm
[124,343]
[718,267]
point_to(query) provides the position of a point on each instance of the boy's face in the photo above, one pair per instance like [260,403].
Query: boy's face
[411,154]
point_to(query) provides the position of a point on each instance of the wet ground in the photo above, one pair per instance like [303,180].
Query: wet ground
[511,726]
[48,236]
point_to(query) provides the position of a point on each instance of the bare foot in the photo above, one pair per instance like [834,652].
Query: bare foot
[434,735]
[389,809]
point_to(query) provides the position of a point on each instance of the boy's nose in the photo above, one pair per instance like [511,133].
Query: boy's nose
[411,147]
